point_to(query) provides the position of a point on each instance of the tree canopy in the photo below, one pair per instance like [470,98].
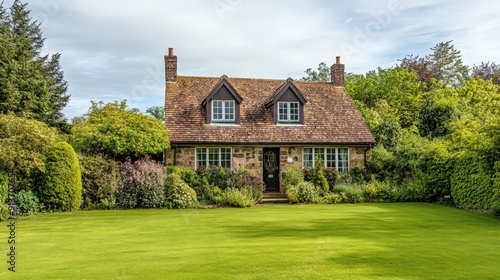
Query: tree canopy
[119,132]
[31,85]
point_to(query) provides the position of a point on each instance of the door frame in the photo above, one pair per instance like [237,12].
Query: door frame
[276,174]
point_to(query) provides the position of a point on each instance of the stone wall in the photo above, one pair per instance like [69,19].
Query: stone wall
[250,158]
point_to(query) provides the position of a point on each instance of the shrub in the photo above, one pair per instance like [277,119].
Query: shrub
[471,182]
[142,184]
[358,174]
[304,192]
[332,176]
[376,191]
[4,186]
[190,177]
[61,185]
[238,197]
[349,193]
[173,169]
[308,174]
[332,198]
[319,179]
[243,180]
[216,176]
[4,213]
[26,201]
[100,180]
[293,177]
[178,194]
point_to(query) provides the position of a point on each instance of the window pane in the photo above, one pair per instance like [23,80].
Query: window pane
[217,110]
[294,111]
[330,158]
[213,156]
[229,110]
[283,111]
[319,152]
[343,159]
[201,158]
[307,157]
[225,154]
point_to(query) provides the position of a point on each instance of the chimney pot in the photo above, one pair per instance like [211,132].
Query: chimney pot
[338,60]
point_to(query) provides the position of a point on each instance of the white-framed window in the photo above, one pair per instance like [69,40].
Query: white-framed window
[337,158]
[213,156]
[223,110]
[288,111]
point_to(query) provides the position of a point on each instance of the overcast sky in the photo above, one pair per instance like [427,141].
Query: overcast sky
[113,49]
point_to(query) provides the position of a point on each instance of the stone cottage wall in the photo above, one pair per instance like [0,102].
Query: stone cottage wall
[250,158]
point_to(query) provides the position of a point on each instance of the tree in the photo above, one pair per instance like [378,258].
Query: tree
[157,112]
[61,186]
[118,132]
[31,85]
[24,145]
[444,65]
[322,75]
[487,71]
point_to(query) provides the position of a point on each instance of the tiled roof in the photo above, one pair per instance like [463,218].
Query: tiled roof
[330,116]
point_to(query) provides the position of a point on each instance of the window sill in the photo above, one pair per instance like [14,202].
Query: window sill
[289,124]
[224,124]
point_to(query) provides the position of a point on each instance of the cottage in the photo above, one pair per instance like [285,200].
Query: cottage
[263,125]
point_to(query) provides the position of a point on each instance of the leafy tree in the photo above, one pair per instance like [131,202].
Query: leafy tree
[157,112]
[322,75]
[61,186]
[31,85]
[487,71]
[118,132]
[24,145]
[446,63]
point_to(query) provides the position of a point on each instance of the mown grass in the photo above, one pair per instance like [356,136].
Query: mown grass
[363,241]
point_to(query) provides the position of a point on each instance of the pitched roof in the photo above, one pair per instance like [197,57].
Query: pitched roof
[330,116]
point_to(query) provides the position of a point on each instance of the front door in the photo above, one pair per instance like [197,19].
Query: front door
[271,169]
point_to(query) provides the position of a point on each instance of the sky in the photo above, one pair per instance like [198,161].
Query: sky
[114,49]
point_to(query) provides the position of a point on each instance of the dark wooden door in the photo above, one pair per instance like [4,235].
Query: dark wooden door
[271,168]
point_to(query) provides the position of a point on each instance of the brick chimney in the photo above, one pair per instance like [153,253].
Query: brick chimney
[337,72]
[171,66]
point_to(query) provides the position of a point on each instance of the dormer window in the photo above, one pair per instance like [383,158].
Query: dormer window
[222,105]
[288,111]
[223,110]
[287,105]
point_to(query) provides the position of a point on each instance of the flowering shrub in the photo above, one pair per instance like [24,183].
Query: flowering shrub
[142,184]
[26,201]
[293,176]
[178,194]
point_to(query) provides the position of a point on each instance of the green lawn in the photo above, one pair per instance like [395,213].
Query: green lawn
[363,241]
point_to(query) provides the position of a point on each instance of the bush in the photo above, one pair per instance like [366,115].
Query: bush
[319,179]
[349,193]
[178,194]
[376,191]
[142,184]
[471,182]
[293,177]
[61,186]
[4,186]
[4,213]
[247,183]
[216,176]
[304,192]
[238,197]
[332,198]
[173,169]
[27,202]
[332,177]
[100,180]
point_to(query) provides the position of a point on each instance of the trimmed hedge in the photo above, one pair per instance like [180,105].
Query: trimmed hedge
[471,182]
[61,186]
